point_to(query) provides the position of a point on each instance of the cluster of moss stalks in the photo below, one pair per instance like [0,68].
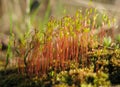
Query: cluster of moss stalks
[73,51]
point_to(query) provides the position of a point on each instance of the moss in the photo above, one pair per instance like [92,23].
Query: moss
[70,52]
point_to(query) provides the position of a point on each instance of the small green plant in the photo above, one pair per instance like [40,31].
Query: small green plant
[107,41]
[9,49]
[118,38]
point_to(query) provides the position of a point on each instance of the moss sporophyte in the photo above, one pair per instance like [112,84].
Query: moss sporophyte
[74,48]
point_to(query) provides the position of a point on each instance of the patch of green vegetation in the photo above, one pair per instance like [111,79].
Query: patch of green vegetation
[69,52]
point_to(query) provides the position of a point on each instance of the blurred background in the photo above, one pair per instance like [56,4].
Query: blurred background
[24,15]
